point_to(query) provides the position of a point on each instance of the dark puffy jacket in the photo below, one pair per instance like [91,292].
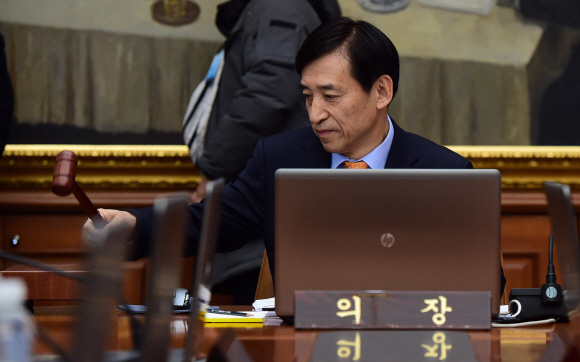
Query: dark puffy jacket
[259,89]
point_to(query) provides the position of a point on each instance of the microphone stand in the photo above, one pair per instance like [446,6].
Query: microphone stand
[136,326]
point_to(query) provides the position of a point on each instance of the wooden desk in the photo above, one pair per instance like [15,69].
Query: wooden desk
[279,343]
[121,177]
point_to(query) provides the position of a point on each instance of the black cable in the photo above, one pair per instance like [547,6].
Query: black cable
[551,251]
[43,335]
[35,264]
[551,275]
[136,326]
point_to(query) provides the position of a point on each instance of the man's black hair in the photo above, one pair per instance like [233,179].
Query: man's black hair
[370,52]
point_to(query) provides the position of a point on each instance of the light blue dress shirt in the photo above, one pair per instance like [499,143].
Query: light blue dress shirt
[375,159]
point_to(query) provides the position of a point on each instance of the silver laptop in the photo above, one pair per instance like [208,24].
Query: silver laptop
[167,249]
[102,285]
[398,230]
[204,267]
[168,245]
[565,241]
[170,232]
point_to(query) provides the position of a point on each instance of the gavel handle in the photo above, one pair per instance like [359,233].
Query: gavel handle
[87,205]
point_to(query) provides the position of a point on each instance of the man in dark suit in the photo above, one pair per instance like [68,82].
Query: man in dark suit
[350,73]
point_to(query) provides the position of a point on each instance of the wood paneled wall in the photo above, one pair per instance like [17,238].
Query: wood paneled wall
[525,232]
[52,234]
[123,176]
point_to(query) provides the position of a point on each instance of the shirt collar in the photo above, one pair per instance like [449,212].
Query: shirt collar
[376,159]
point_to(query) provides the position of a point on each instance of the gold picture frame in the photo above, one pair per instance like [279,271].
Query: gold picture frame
[169,168]
[115,167]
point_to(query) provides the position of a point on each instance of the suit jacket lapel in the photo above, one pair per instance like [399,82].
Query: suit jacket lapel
[315,155]
[402,153]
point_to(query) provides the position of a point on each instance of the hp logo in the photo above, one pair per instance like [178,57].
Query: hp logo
[551,292]
[387,240]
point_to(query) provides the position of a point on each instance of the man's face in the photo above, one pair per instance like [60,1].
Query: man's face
[347,119]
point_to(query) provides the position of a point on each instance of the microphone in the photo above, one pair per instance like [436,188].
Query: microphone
[136,326]
[41,266]
[551,291]
[545,302]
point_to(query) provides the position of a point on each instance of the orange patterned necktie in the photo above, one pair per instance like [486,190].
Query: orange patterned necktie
[358,164]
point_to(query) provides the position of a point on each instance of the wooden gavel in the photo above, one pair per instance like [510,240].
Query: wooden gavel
[63,184]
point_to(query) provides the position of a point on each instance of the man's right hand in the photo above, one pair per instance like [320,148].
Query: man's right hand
[199,193]
[113,219]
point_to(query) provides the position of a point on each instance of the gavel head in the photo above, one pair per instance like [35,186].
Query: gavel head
[65,170]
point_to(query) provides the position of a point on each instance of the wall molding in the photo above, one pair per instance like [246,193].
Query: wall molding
[527,167]
[113,167]
[144,167]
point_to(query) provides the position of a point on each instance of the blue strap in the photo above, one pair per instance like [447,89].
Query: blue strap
[215,63]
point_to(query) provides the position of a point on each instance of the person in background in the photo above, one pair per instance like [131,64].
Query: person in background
[6,98]
[561,12]
[262,39]
[559,107]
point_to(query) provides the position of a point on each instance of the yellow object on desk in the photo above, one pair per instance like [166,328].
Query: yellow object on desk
[221,318]
[234,325]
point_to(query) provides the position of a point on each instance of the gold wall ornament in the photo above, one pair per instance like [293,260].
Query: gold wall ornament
[175,12]
[527,167]
[144,167]
[116,167]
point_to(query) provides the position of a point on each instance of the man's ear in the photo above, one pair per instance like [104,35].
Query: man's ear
[384,89]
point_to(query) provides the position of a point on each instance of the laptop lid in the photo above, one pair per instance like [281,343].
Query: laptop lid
[204,266]
[102,285]
[415,230]
[565,240]
[168,243]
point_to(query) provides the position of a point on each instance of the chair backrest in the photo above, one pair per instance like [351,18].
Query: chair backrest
[265,288]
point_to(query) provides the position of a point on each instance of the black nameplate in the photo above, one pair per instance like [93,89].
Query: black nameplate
[398,310]
[410,346]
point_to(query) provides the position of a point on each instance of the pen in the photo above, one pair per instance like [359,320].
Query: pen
[231,313]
